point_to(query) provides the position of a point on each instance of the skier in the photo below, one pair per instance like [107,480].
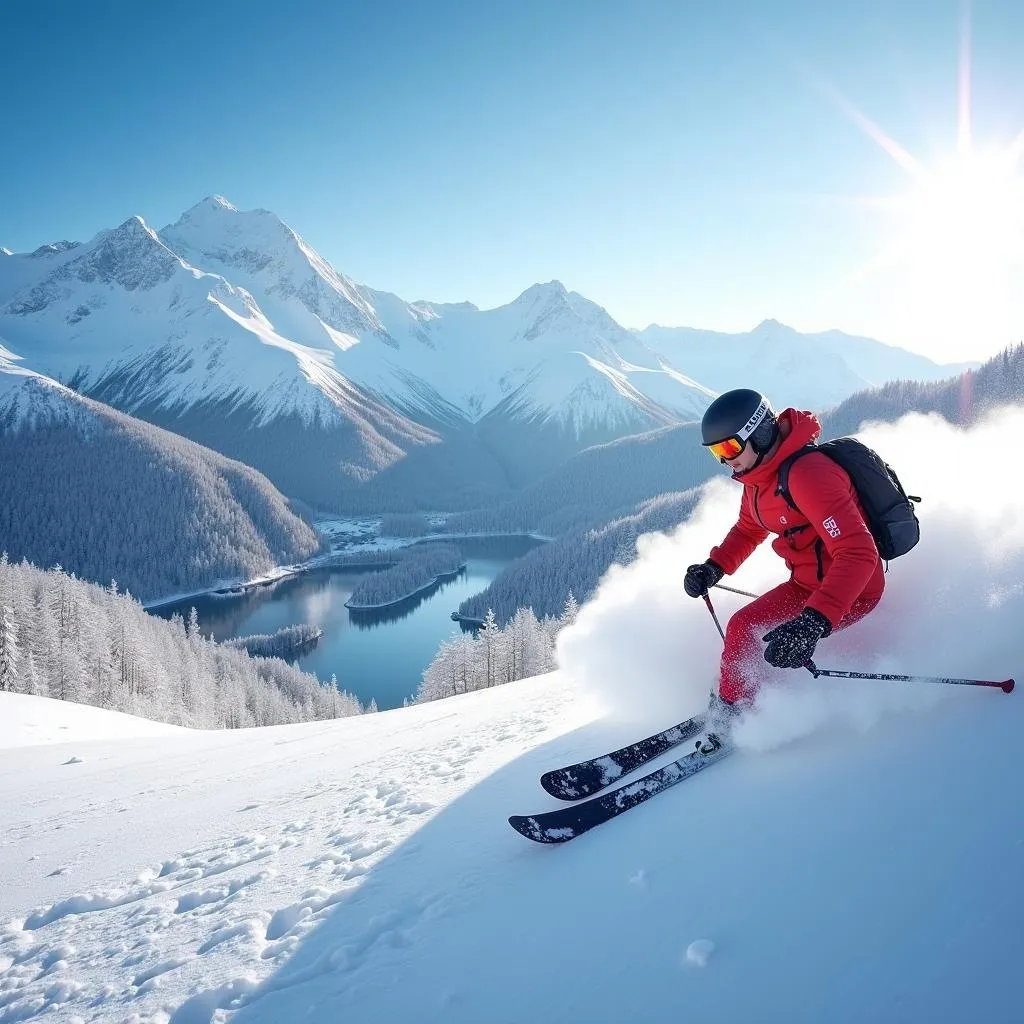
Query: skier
[836,575]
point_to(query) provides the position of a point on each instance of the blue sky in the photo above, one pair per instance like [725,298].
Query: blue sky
[677,162]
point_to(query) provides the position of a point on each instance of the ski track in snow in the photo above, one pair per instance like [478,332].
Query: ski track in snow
[168,944]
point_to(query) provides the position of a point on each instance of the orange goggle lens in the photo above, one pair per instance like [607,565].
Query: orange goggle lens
[727,449]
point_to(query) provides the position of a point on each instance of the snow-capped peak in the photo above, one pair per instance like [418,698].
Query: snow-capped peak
[134,229]
[217,202]
[215,216]
[51,248]
[130,255]
[258,250]
[542,295]
[218,225]
[4,251]
[772,326]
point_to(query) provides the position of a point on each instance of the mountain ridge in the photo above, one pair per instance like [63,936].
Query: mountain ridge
[228,327]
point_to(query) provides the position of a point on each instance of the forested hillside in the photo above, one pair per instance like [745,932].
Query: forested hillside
[961,399]
[600,484]
[62,637]
[108,496]
[571,565]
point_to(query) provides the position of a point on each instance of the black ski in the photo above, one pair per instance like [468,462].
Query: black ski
[577,781]
[565,823]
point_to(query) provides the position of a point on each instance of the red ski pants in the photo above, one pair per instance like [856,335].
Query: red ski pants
[744,647]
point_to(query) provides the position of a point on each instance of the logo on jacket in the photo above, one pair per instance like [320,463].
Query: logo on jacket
[831,526]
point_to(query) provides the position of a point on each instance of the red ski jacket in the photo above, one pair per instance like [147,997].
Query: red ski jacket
[827,545]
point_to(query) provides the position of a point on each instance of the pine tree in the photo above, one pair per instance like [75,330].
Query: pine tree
[31,683]
[9,653]
[192,627]
[493,659]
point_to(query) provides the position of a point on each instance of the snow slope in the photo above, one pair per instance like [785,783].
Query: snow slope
[28,399]
[857,860]
[34,721]
[363,870]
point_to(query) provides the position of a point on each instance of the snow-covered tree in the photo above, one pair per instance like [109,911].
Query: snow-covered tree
[464,662]
[62,637]
[9,653]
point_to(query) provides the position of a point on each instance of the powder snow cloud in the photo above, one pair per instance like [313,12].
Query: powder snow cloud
[953,606]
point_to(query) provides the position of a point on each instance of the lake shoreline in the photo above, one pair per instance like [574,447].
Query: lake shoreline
[240,587]
[378,654]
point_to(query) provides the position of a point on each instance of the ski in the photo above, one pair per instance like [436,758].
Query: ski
[565,823]
[586,778]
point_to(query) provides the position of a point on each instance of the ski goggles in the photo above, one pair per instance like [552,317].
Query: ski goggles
[727,449]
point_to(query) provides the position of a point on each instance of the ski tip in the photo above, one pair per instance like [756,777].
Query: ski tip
[549,782]
[554,784]
[532,829]
[1007,687]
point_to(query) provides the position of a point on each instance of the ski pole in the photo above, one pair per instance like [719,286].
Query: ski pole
[1006,685]
[707,601]
[736,590]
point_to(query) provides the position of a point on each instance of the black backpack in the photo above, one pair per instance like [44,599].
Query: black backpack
[888,508]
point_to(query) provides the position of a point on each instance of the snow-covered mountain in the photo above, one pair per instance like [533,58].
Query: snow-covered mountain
[228,327]
[809,371]
[127,321]
[30,401]
[109,496]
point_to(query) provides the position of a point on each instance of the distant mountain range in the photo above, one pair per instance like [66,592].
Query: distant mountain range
[227,327]
[809,371]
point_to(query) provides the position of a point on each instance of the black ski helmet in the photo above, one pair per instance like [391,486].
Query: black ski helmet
[742,413]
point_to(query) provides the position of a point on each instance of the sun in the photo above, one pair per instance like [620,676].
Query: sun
[950,271]
[966,215]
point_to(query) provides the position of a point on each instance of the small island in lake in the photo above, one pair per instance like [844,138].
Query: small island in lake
[288,642]
[418,568]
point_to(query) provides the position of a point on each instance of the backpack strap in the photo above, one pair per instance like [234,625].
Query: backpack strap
[784,468]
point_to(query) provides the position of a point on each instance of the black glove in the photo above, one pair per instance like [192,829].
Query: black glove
[792,644]
[699,578]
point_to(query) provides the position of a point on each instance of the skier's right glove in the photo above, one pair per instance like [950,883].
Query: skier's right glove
[700,578]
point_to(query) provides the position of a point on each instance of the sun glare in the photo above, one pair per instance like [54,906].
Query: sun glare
[969,211]
[960,238]
[952,266]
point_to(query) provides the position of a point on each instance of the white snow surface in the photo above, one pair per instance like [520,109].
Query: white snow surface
[363,870]
[32,721]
